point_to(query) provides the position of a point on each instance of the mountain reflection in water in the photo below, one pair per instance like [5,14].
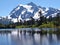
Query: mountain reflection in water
[36,39]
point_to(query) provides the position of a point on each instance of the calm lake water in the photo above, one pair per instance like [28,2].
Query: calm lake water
[15,38]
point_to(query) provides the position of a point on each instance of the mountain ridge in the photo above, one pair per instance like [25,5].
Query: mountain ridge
[23,12]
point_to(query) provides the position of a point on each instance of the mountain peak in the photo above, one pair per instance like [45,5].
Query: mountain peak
[31,10]
[32,4]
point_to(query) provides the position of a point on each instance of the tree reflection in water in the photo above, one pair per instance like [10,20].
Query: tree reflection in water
[29,39]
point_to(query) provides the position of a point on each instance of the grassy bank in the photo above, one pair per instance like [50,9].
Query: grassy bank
[48,25]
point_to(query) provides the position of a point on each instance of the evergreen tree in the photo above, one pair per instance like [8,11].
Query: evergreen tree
[50,18]
[57,19]
[32,21]
[41,18]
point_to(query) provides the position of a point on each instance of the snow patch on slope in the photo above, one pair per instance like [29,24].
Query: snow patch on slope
[14,20]
[47,9]
[17,8]
[28,7]
[36,16]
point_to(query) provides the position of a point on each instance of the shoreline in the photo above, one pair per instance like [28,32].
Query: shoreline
[41,31]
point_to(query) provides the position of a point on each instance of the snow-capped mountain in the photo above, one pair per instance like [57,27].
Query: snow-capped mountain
[31,10]
[25,11]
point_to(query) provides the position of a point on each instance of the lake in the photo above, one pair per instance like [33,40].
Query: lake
[15,38]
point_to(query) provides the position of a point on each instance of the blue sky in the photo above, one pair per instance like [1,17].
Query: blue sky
[6,6]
